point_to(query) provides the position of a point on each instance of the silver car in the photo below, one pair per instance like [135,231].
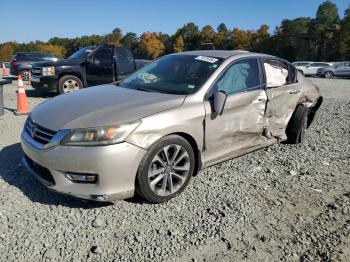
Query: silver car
[341,69]
[150,133]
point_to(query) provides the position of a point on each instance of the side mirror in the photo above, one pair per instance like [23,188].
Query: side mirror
[219,101]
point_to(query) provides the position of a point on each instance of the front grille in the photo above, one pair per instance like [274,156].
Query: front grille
[36,71]
[38,133]
[41,171]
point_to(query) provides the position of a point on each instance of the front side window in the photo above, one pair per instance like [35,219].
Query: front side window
[173,74]
[240,76]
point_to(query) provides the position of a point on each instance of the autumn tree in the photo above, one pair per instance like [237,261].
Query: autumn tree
[114,38]
[7,50]
[241,39]
[222,37]
[56,50]
[179,44]
[207,34]
[260,39]
[150,46]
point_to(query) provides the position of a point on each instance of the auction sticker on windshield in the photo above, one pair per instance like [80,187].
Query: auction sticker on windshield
[207,59]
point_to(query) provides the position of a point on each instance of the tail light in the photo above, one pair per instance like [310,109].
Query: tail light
[317,88]
[14,62]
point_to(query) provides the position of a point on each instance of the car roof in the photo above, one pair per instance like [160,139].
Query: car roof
[214,53]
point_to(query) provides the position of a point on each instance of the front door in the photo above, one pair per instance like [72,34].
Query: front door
[100,69]
[283,93]
[242,122]
[343,70]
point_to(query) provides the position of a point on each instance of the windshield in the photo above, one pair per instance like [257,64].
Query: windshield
[82,53]
[173,74]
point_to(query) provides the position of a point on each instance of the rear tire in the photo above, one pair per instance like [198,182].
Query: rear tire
[328,75]
[69,83]
[165,170]
[297,125]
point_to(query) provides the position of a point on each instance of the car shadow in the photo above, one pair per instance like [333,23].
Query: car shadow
[15,174]
[40,93]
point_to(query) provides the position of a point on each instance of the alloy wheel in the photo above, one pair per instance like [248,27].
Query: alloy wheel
[70,85]
[25,75]
[169,170]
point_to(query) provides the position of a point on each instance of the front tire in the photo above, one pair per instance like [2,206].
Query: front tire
[165,170]
[69,83]
[328,75]
[297,125]
[25,75]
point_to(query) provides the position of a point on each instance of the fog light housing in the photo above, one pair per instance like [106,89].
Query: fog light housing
[82,178]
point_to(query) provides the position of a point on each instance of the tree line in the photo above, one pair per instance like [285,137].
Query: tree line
[323,38]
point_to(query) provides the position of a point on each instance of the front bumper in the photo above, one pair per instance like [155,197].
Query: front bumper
[44,82]
[115,165]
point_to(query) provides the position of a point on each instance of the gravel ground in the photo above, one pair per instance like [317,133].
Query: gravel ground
[286,202]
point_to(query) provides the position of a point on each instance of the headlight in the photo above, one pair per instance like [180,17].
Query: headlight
[99,135]
[48,71]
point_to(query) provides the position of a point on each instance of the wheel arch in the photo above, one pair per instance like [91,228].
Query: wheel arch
[76,74]
[190,139]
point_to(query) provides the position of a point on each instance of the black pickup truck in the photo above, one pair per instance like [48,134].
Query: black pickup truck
[93,65]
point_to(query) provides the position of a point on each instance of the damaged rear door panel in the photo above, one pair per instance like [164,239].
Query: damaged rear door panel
[283,93]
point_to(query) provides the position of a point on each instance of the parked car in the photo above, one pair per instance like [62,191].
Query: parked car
[301,65]
[311,69]
[21,62]
[155,129]
[1,63]
[89,66]
[339,69]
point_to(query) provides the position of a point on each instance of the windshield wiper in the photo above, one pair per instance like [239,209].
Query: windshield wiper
[146,90]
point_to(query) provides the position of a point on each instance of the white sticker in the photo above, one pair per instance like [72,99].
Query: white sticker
[191,86]
[207,59]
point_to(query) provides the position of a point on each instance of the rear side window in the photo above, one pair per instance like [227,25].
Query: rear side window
[240,76]
[276,73]
[122,56]
[292,75]
[103,57]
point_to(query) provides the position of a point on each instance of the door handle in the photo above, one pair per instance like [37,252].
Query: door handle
[295,91]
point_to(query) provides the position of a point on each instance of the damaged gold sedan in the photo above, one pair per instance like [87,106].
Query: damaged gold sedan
[150,133]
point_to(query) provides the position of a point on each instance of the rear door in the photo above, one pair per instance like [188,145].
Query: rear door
[125,63]
[283,93]
[100,69]
[241,125]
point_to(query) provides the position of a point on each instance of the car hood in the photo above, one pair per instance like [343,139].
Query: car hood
[61,62]
[101,106]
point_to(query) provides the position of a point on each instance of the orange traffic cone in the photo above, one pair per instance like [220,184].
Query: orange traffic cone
[22,102]
[4,70]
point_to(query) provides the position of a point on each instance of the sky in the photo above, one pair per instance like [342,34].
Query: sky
[24,21]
